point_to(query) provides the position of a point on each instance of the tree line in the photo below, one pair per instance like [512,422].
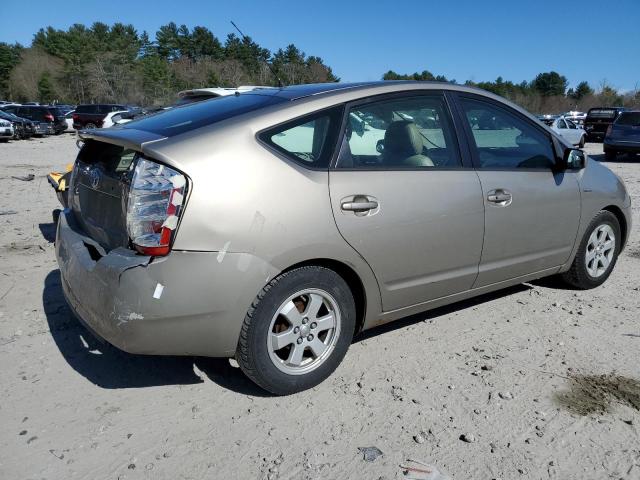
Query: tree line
[548,92]
[103,63]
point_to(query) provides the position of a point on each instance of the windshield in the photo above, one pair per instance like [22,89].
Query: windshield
[629,118]
[7,116]
[195,115]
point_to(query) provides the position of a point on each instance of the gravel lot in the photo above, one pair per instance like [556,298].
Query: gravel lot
[542,382]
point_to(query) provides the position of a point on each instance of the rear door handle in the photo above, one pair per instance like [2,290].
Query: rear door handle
[500,197]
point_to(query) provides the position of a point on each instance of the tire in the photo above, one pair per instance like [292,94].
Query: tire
[89,126]
[581,274]
[278,369]
[610,155]
[582,142]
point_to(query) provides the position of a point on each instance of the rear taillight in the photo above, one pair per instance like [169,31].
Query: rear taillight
[609,129]
[156,199]
[75,117]
[48,117]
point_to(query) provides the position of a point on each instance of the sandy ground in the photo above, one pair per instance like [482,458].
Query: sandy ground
[542,382]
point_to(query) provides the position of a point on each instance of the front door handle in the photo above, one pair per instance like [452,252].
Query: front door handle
[359,206]
[500,197]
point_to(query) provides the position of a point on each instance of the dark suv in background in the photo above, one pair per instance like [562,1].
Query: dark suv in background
[51,116]
[92,115]
[623,136]
[598,120]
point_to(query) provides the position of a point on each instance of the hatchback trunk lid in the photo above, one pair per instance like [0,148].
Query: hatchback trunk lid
[100,186]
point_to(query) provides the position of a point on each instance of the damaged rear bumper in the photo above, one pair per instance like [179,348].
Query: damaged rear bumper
[188,303]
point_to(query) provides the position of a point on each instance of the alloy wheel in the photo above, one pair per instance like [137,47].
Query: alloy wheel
[304,331]
[600,250]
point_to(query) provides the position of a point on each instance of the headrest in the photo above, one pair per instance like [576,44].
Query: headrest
[403,138]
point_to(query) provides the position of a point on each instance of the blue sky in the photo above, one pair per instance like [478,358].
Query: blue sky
[589,40]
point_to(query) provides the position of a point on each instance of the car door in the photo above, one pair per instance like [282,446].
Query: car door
[532,210]
[405,199]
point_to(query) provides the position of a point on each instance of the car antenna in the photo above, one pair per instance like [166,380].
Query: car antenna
[273,72]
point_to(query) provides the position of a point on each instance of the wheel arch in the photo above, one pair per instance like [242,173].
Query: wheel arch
[615,210]
[352,279]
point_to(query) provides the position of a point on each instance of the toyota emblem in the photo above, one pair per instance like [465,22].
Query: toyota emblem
[94,177]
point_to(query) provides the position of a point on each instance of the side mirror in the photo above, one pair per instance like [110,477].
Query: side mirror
[573,159]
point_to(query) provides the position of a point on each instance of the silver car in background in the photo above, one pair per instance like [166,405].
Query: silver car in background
[274,225]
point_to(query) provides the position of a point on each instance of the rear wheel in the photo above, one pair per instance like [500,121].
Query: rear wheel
[297,330]
[610,155]
[597,254]
[90,125]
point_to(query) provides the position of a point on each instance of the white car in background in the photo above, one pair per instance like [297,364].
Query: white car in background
[576,117]
[568,130]
[110,121]
[6,130]
[68,118]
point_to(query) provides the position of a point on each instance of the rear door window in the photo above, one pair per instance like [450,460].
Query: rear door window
[310,140]
[504,140]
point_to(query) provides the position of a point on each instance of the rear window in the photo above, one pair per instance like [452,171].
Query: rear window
[196,115]
[602,113]
[86,108]
[629,118]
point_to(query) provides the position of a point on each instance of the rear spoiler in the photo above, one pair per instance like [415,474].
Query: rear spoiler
[125,137]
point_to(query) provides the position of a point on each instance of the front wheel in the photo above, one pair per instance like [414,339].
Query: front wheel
[89,126]
[582,142]
[597,254]
[297,330]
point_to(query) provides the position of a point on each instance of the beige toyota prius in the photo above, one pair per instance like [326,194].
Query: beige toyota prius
[273,225]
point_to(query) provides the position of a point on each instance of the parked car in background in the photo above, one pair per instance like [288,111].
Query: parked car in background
[566,129]
[92,115]
[68,118]
[623,136]
[547,118]
[160,254]
[121,118]
[575,116]
[23,128]
[200,94]
[109,118]
[40,114]
[6,130]
[598,120]
[64,107]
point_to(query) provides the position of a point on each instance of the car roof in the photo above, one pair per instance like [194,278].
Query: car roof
[295,92]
